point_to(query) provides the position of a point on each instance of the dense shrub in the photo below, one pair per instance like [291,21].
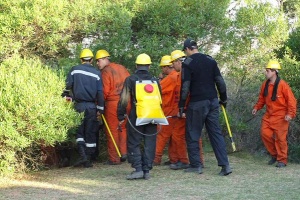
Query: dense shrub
[53,31]
[32,110]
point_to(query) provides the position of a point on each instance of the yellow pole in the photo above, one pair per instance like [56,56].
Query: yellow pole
[228,127]
[111,136]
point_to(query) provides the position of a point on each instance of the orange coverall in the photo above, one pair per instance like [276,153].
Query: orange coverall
[174,133]
[170,86]
[113,77]
[274,127]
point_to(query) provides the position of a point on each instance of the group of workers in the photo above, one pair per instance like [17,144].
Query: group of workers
[191,90]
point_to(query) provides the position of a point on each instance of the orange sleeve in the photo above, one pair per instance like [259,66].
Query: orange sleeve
[291,100]
[166,85]
[261,99]
[106,81]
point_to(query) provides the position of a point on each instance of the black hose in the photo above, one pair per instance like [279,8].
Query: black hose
[141,132]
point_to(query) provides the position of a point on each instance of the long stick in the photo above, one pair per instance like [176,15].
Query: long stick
[228,127]
[111,136]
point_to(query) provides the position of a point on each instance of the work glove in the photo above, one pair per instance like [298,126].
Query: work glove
[223,103]
[66,95]
[99,116]
[100,111]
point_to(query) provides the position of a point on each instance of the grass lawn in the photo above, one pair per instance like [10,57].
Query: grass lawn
[252,178]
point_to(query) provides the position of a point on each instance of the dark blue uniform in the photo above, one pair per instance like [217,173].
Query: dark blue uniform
[200,76]
[86,85]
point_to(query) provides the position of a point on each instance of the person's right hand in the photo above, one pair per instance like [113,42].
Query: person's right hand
[100,112]
[181,113]
[254,111]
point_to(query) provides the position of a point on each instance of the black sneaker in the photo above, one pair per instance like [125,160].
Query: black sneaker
[179,165]
[226,170]
[280,165]
[146,175]
[272,161]
[167,163]
[88,164]
[194,169]
[80,162]
[123,158]
[173,166]
[185,165]
[135,175]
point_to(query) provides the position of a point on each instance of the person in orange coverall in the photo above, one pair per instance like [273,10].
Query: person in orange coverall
[170,86]
[113,77]
[177,57]
[281,104]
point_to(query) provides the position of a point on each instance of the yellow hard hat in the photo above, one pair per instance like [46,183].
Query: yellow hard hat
[176,54]
[102,54]
[165,61]
[143,59]
[86,53]
[273,64]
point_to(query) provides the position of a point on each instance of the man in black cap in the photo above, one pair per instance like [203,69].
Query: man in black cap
[200,76]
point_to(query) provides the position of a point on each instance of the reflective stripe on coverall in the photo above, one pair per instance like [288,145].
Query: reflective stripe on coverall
[274,128]
[113,77]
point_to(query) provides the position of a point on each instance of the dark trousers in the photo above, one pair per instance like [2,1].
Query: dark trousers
[89,128]
[200,113]
[141,148]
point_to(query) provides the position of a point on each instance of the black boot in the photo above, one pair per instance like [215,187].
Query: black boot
[123,158]
[226,170]
[88,163]
[83,158]
[272,161]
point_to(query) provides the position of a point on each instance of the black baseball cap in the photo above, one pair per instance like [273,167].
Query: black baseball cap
[190,44]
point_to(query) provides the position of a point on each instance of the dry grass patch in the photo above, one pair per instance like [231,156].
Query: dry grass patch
[251,179]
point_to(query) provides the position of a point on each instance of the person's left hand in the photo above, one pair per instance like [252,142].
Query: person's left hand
[288,118]
[254,111]
[121,122]
[223,103]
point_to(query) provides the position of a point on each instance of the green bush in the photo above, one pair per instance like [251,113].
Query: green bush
[32,110]
[53,31]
